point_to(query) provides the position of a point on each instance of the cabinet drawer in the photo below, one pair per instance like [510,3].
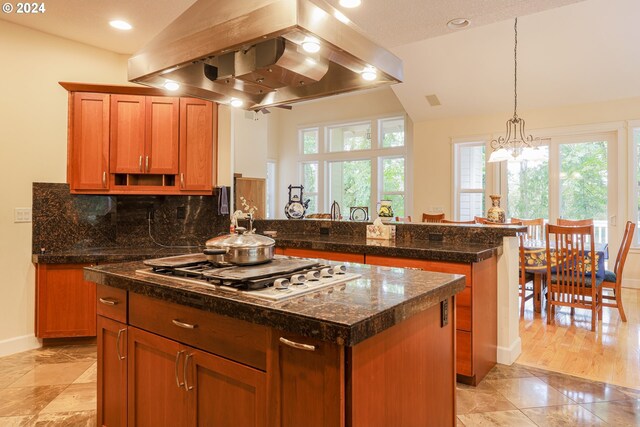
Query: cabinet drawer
[231,338]
[463,309]
[111,303]
[464,363]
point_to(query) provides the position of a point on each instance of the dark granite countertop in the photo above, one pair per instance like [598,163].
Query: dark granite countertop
[453,251]
[107,255]
[349,314]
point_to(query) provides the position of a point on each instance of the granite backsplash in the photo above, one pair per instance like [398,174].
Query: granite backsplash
[64,221]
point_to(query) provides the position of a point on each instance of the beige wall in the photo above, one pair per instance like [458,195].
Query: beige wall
[338,108]
[33,147]
[250,143]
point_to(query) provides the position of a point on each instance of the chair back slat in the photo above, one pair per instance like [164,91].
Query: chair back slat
[627,239]
[535,227]
[432,217]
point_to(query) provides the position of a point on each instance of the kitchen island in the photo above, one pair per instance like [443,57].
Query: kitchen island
[376,350]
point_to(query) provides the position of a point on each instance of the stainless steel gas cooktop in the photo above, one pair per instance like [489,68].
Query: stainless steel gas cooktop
[281,279]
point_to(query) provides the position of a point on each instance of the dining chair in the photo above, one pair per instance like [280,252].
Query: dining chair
[432,217]
[574,222]
[450,221]
[487,221]
[613,279]
[535,227]
[571,279]
[403,218]
[524,278]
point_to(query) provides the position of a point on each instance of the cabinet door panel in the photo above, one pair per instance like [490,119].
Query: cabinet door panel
[65,302]
[220,388]
[112,373]
[197,122]
[161,153]
[127,133]
[89,142]
[155,400]
[306,387]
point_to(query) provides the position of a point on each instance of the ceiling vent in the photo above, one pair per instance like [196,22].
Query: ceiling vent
[433,100]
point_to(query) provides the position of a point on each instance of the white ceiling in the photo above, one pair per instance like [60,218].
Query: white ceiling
[569,51]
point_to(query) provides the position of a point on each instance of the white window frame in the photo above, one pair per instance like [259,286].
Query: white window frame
[457,143]
[325,156]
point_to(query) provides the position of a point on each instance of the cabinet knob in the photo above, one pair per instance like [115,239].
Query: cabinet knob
[299,346]
[140,163]
[146,163]
[182,180]
[104,178]
[108,301]
[186,372]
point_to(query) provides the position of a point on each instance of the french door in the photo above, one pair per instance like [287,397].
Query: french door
[572,177]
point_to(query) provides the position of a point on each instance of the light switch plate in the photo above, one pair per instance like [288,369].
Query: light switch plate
[22,215]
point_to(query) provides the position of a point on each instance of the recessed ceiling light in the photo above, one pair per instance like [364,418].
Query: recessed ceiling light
[369,74]
[170,85]
[235,102]
[458,23]
[341,17]
[311,44]
[350,3]
[120,25]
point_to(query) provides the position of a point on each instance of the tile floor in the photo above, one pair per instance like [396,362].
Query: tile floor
[51,386]
[56,386]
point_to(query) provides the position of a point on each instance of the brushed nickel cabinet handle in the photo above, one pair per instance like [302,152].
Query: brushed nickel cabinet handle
[108,301]
[120,356]
[184,325]
[140,163]
[186,373]
[146,163]
[182,180]
[178,383]
[299,346]
[104,178]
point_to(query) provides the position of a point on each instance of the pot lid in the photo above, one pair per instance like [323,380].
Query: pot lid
[241,239]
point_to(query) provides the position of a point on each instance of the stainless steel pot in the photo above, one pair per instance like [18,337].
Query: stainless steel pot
[241,248]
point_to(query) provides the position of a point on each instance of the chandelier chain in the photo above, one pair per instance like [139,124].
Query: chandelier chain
[515,71]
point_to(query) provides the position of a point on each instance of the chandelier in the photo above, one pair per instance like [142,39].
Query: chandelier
[517,144]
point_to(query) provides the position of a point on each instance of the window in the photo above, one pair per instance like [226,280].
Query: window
[350,137]
[309,140]
[469,180]
[271,189]
[355,164]
[568,179]
[310,183]
[393,177]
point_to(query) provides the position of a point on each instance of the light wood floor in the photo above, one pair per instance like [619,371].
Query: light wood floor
[610,354]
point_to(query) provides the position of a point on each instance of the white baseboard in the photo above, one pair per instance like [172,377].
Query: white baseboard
[631,283]
[19,344]
[508,355]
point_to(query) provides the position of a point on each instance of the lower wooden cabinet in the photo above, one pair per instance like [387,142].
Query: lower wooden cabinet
[65,302]
[112,373]
[476,311]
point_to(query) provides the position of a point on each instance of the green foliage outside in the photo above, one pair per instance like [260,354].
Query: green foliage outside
[310,141]
[583,184]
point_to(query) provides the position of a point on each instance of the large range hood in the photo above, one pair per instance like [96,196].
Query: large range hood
[252,50]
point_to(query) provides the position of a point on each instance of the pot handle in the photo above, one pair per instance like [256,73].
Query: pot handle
[214,251]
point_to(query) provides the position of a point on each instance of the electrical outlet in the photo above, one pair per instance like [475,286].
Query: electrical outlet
[22,215]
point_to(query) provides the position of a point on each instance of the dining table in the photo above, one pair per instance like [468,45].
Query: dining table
[535,259]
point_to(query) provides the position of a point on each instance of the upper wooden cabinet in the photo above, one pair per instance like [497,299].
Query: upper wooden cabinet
[88,155]
[198,118]
[128,140]
[144,134]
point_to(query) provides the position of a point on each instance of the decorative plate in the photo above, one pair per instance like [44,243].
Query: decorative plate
[294,210]
[359,213]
